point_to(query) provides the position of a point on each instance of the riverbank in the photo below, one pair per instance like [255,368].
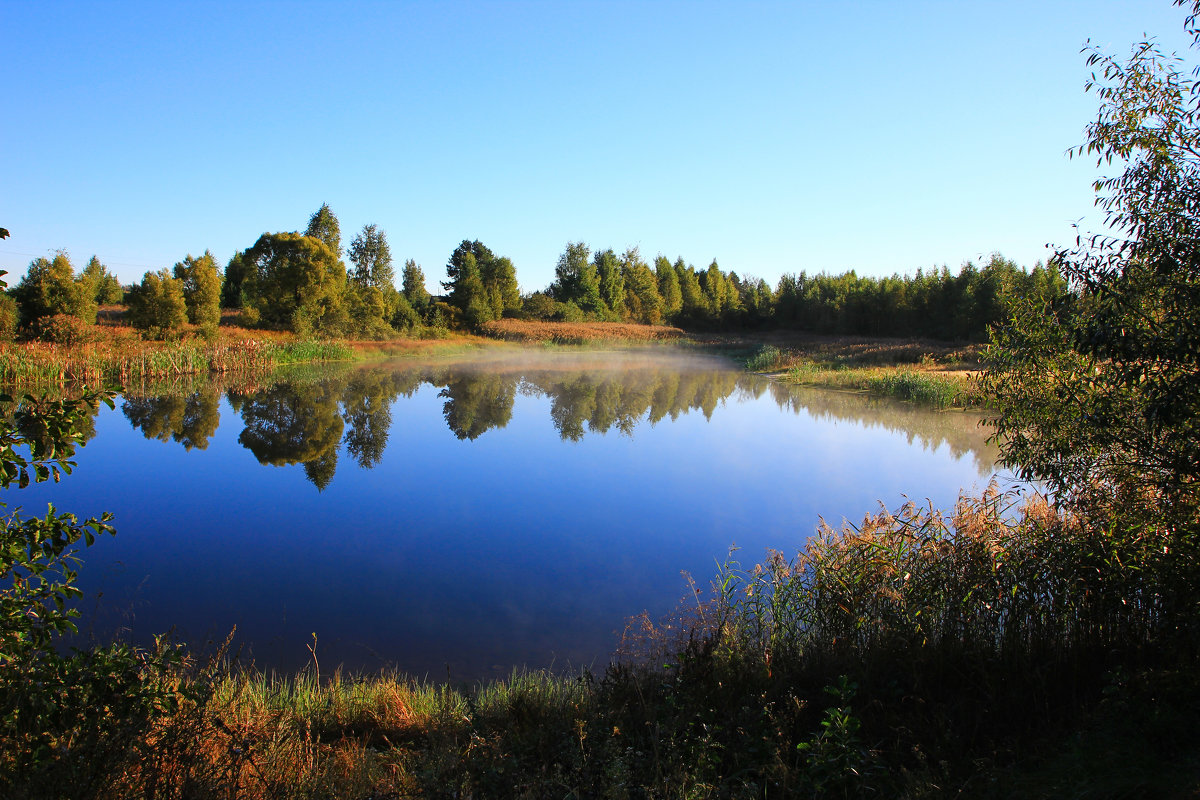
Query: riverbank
[937,374]
[112,353]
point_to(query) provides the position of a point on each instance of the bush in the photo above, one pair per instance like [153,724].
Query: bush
[63,329]
[767,357]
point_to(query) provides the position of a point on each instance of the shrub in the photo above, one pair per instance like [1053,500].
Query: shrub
[63,329]
[767,357]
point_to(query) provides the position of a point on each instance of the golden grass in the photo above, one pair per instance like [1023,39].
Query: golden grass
[515,330]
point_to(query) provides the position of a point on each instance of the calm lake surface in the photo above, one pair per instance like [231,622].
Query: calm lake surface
[462,518]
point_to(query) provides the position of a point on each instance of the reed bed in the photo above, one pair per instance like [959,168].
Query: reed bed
[120,360]
[530,331]
[928,387]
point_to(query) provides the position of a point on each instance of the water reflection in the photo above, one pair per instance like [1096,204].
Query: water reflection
[305,416]
[474,516]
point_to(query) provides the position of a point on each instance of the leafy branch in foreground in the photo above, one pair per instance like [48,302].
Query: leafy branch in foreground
[1099,392]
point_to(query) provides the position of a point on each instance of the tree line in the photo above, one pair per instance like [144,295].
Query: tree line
[299,282]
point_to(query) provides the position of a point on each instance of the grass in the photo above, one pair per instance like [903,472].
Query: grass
[932,374]
[531,331]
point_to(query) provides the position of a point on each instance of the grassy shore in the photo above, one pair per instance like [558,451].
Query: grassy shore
[937,374]
[112,353]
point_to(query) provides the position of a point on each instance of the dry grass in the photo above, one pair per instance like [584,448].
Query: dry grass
[514,330]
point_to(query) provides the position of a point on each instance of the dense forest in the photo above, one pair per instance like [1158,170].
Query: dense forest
[299,282]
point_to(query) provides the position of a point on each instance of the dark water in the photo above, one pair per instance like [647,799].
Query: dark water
[465,518]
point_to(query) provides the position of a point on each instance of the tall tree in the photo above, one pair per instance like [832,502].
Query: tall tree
[668,286]
[236,272]
[101,285]
[612,282]
[372,259]
[323,225]
[156,306]
[297,282]
[201,290]
[496,274]
[642,299]
[468,293]
[576,280]
[49,288]
[414,290]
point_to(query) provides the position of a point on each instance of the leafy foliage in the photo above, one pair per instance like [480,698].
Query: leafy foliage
[1100,391]
[323,225]
[414,286]
[296,282]
[201,291]
[157,306]
[100,284]
[49,287]
[372,259]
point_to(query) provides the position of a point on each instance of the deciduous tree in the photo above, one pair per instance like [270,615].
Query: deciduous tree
[201,291]
[156,305]
[296,282]
[1099,392]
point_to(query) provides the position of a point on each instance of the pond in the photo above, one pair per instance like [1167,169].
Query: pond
[462,518]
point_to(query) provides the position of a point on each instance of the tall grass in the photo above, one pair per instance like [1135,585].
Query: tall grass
[936,389]
[121,360]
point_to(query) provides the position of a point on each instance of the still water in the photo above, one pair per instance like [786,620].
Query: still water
[462,518]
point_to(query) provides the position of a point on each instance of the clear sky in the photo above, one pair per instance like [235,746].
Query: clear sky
[774,137]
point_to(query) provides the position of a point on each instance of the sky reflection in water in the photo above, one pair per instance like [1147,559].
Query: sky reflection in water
[469,517]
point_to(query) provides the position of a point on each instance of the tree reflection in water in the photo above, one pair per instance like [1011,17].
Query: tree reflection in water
[305,417]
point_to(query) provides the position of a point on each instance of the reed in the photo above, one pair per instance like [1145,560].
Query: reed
[119,360]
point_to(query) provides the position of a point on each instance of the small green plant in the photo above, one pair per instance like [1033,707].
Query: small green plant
[768,357]
[835,762]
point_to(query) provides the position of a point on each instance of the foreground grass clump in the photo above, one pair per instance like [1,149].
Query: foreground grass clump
[990,651]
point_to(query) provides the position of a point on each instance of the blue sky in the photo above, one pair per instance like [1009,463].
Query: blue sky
[774,137]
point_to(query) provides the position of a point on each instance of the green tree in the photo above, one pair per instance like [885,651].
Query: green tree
[1099,392]
[296,282]
[642,300]
[372,259]
[414,289]
[414,286]
[101,285]
[576,280]
[201,291]
[612,282]
[236,272]
[49,288]
[468,293]
[668,287]
[496,275]
[500,280]
[156,306]
[324,225]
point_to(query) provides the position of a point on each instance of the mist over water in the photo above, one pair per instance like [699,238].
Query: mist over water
[467,517]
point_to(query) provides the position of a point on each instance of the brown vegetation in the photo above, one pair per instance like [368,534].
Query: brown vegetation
[514,330]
